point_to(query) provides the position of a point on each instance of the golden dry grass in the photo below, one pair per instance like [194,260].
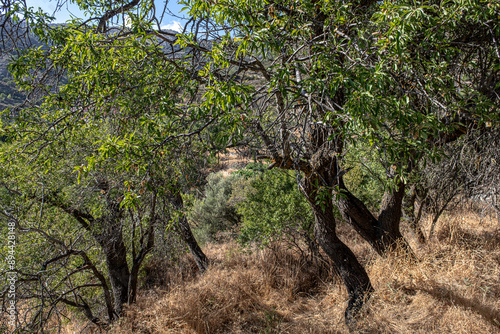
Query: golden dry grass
[454,288]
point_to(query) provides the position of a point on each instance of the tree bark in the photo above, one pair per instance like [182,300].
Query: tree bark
[115,253]
[353,274]
[187,236]
[194,248]
[383,234]
[137,262]
[414,220]
[318,188]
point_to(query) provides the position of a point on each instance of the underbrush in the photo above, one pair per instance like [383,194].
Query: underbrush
[453,288]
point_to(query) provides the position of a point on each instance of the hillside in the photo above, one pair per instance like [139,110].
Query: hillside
[9,94]
[454,288]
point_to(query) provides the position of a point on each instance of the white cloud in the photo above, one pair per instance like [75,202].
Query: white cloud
[176,26]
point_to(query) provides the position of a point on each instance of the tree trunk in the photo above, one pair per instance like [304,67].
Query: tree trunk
[137,262]
[383,234]
[187,236]
[115,253]
[414,220]
[353,274]
[389,218]
[195,250]
[318,188]
[350,270]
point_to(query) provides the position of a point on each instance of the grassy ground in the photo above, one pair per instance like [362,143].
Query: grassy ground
[454,288]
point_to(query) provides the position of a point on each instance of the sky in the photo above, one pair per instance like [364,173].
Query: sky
[69,10]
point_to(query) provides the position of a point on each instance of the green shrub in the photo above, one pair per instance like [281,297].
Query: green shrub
[267,203]
[213,213]
[251,170]
[271,207]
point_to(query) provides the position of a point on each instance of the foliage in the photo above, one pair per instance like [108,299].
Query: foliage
[68,224]
[403,77]
[401,69]
[272,208]
[267,203]
[251,169]
[95,151]
[214,213]
[366,178]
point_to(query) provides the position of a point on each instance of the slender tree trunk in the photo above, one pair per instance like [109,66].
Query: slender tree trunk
[187,236]
[137,262]
[147,242]
[105,289]
[414,220]
[353,274]
[194,248]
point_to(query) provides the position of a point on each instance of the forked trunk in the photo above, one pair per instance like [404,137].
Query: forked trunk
[383,234]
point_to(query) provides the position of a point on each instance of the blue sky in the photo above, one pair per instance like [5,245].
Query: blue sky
[71,9]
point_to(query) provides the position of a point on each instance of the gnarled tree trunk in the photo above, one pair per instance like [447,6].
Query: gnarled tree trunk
[119,275]
[383,234]
[318,188]
[115,253]
[353,274]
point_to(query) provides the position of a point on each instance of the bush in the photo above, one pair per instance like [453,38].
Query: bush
[366,180]
[267,203]
[251,170]
[213,213]
[271,208]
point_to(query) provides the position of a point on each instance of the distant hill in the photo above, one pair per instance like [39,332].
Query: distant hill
[9,94]
[11,34]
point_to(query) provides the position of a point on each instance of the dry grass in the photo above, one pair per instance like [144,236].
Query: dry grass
[232,160]
[454,288]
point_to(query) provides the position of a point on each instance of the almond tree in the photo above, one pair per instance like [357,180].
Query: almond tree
[92,151]
[77,237]
[310,79]
[304,80]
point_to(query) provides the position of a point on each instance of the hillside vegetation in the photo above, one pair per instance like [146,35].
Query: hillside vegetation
[454,287]
[9,94]
[363,191]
